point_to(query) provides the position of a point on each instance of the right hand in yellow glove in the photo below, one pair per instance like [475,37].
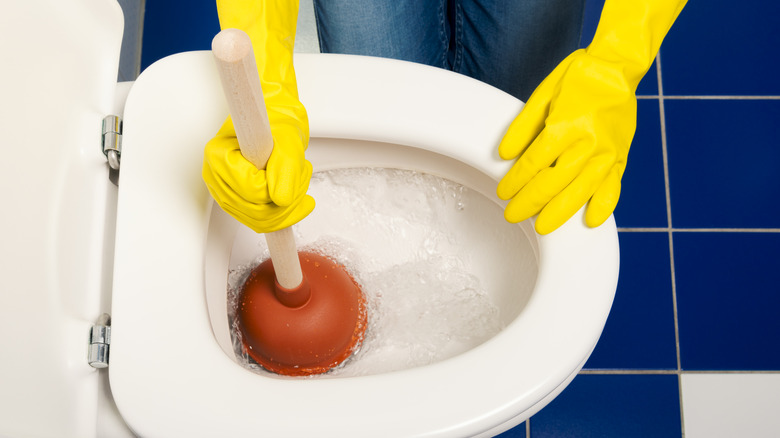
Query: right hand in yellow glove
[275,198]
[571,139]
[243,191]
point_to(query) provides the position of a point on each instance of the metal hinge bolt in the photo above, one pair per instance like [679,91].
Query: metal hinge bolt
[112,140]
[99,342]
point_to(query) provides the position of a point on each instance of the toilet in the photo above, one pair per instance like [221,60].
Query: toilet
[154,252]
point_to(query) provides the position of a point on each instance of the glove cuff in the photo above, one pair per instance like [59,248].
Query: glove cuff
[630,33]
[271,26]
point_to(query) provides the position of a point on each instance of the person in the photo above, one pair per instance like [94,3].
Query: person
[509,44]
[569,143]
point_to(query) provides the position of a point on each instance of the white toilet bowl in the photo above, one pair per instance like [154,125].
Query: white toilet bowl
[171,368]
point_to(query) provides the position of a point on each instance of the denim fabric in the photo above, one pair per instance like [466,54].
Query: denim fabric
[510,44]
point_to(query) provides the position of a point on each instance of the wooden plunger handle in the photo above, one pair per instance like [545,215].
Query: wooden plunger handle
[235,59]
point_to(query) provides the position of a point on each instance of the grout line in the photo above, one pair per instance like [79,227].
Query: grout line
[528,428]
[643,230]
[723,97]
[664,150]
[698,230]
[667,189]
[726,230]
[669,229]
[650,96]
[630,372]
[700,372]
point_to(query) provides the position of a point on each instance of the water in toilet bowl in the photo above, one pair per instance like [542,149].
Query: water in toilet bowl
[416,245]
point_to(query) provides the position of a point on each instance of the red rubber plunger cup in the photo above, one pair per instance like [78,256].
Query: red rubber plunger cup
[305,331]
[299,314]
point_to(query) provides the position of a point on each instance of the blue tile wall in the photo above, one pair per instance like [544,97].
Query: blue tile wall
[648,86]
[723,163]
[175,26]
[612,406]
[728,297]
[517,432]
[643,196]
[639,333]
[723,47]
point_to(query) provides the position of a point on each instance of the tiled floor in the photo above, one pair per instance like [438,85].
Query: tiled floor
[692,346]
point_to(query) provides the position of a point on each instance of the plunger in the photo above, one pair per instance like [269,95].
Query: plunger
[298,313]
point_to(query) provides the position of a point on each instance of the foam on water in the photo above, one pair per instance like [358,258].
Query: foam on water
[405,238]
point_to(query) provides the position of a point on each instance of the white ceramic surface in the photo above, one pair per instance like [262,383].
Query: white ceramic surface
[56,231]
[163,231]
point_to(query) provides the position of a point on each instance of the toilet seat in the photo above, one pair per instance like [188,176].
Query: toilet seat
[60,253]
[160,317]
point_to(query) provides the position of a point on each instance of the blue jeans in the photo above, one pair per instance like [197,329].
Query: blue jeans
[510,44]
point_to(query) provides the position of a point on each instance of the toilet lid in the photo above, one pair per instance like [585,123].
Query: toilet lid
[58,79]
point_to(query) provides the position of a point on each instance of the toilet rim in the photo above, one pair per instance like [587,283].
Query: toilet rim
[506,375]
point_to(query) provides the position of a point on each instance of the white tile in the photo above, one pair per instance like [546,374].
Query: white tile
[731,405]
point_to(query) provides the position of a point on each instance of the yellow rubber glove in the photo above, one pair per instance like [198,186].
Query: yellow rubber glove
[275,198]
[573,135]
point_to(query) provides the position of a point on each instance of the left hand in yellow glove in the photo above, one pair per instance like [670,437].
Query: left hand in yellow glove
[571,139]
[275,198]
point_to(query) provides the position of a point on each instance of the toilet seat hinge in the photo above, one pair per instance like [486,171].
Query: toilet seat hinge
[112,140]
[99,342]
